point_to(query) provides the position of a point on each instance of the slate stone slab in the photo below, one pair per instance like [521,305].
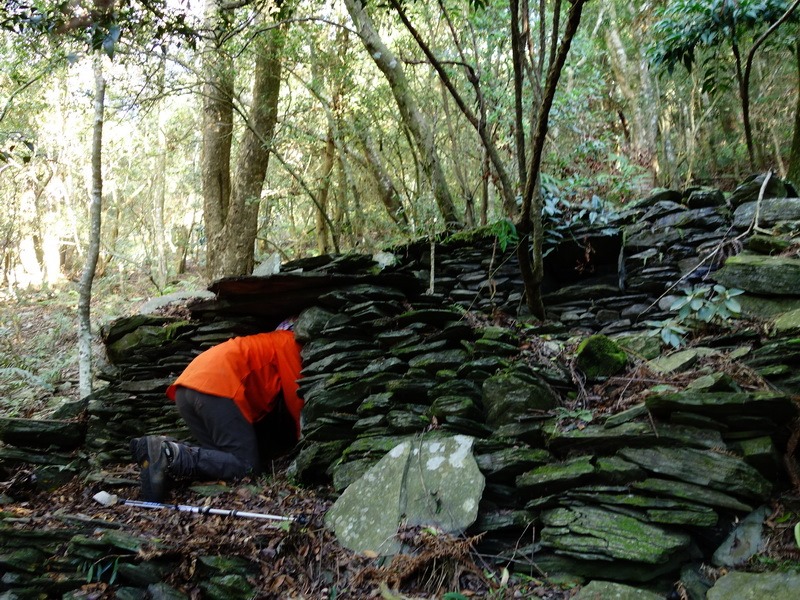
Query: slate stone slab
[715,404]
[640,433]
[554,477]
[716,470]
[594,533]
[646,508]
[609,590]
[759,274]
[771,211]
[41,433]
[755,586]
[688,491]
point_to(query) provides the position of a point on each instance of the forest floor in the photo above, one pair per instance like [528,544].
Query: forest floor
[38,371]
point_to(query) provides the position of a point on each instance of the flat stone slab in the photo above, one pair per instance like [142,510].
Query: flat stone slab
[688,491]
[759,274]
[608,590]
[41,433]
[716,404]
[638,433]
[716,470]
[788,323]
[755,586]
[594,533]
[771,211]
[421,482]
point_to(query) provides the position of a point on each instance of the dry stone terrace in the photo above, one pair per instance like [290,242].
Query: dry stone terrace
[644,492]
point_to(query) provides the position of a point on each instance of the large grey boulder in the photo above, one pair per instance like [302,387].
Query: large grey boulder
[750,189]
[432,481]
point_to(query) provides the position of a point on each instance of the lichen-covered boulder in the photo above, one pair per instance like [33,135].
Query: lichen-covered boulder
[424,481]
[755,586]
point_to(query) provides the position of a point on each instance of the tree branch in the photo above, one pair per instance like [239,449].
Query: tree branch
[480,126]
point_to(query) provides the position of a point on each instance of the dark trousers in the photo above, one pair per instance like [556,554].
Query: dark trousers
[228,445]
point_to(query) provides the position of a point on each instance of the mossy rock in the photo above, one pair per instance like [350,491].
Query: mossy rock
[599,356]
[788,323]
[593,533]
[512,394]
[759,274]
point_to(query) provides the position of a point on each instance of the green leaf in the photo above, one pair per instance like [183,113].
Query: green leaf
[733,305]
[679,303]
[110,40]
[797,534]
[114,572]
[706,313]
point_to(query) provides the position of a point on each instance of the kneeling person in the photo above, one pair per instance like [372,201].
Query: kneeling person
[222,396]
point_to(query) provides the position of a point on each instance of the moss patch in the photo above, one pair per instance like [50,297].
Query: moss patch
[598,356]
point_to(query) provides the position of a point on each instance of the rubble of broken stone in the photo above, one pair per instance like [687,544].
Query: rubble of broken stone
[395,352]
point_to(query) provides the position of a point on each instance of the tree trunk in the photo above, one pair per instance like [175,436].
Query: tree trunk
[251,168]
[389,195]
[529,225]
[85,373]
[159,270]
[326,172]
[217,138]
[634,81]
[232,204]
[793,171]
[744,99]
[420,130]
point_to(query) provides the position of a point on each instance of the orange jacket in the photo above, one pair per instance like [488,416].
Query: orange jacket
[250,370]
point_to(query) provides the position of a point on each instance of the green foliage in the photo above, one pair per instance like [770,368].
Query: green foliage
[105,567]
[700,305]
[684,27]
[560,215]
[505,232]
[671,332]
[573,414]
[98,25]
[708,304]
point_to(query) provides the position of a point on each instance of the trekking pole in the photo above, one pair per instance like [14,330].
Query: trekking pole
[107,499]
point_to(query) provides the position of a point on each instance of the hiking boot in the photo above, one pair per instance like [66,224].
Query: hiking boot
[138,448]
[155,474]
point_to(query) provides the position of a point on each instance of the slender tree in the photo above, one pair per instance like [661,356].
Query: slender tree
[528,222]
[413,118]
[93,250]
